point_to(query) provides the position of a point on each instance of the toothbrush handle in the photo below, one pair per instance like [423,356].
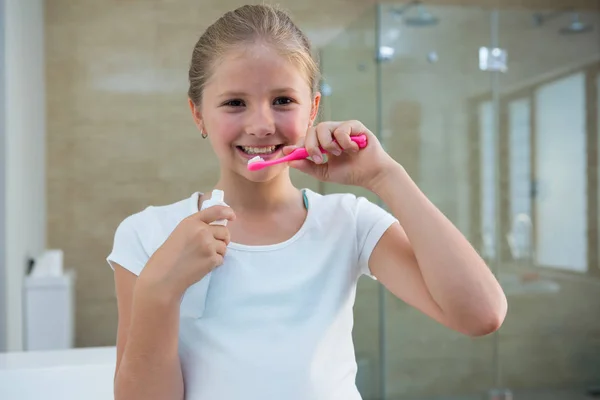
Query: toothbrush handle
[360,140]
[301,153]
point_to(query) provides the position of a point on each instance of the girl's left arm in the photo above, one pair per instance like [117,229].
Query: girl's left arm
[429,264]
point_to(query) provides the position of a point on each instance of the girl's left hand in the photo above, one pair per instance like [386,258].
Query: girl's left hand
[346,164]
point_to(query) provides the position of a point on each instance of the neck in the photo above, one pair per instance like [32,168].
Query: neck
[246,196]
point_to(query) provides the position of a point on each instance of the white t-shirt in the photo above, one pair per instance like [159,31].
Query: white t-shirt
[277,322]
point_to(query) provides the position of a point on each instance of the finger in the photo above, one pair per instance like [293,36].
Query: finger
[215,213]
[326,139]
[289,148]
[311,143]
[358,128]
[217,260]
[220,232]
[301,141]
[220,248]
[342,136]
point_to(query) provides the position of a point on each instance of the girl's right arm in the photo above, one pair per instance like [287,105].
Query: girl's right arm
[148,364]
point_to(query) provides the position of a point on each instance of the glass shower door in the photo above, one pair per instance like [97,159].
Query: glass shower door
[512,157]
[434,123]
[349,92]
[550,343]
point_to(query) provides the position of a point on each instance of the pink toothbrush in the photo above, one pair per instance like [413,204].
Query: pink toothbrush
[257,162]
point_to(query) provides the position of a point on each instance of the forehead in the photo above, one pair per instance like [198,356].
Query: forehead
[256,68]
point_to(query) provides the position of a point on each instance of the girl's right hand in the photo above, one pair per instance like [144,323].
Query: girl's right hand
[193,249]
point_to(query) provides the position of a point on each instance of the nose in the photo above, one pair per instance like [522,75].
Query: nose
[260,122]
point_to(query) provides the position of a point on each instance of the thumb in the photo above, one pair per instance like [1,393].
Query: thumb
[288,149]
[319,171]
[212,214]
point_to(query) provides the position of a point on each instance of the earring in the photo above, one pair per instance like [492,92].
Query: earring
[203,134]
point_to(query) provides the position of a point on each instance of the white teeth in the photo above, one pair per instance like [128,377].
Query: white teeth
[258,150]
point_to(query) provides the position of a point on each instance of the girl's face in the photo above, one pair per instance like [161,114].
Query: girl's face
[255,103]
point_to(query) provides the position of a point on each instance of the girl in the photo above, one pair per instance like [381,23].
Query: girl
[261,309]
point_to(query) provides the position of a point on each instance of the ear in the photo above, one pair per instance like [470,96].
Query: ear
[196,114]
[315,107]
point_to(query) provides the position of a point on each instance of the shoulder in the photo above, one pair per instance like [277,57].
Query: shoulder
[331,200]
[157,217]
[140,234]
[358,216]
[342,204]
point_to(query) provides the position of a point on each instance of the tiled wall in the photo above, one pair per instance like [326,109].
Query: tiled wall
[120,137]
[120,134]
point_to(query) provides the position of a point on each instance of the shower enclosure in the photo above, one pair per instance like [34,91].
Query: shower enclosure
[494,113]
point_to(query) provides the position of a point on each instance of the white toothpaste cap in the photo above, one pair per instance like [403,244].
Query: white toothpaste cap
[217,195]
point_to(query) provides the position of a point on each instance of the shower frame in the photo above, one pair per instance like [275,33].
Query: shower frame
[497,391]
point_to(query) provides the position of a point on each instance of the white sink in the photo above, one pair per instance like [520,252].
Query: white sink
[73,374]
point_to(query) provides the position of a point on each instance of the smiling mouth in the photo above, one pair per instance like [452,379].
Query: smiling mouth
[259,150]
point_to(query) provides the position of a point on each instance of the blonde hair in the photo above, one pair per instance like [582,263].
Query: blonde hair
[247,25]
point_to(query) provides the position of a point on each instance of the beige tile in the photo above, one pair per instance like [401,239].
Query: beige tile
[97,324]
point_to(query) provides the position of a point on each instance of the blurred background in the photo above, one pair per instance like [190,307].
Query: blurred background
[492,106]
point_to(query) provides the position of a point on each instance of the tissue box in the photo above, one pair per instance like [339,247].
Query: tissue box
[49,312]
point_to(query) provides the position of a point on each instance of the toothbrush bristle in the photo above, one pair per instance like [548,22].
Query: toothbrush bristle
[255,159]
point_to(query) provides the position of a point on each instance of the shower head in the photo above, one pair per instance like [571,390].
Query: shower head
[540,19]
[576,26]
[422,17]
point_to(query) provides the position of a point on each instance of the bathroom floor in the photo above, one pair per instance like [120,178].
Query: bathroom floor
[553,395]
[524,395]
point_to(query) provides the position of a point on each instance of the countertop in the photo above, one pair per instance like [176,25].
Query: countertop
[73,374]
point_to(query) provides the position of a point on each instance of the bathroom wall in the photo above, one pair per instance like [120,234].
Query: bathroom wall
[22,161]
[120,135]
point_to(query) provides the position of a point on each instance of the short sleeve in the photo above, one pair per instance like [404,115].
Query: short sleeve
[371,223]
[128,245]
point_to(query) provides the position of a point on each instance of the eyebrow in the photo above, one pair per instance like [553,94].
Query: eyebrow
[285,90]
[243,94]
